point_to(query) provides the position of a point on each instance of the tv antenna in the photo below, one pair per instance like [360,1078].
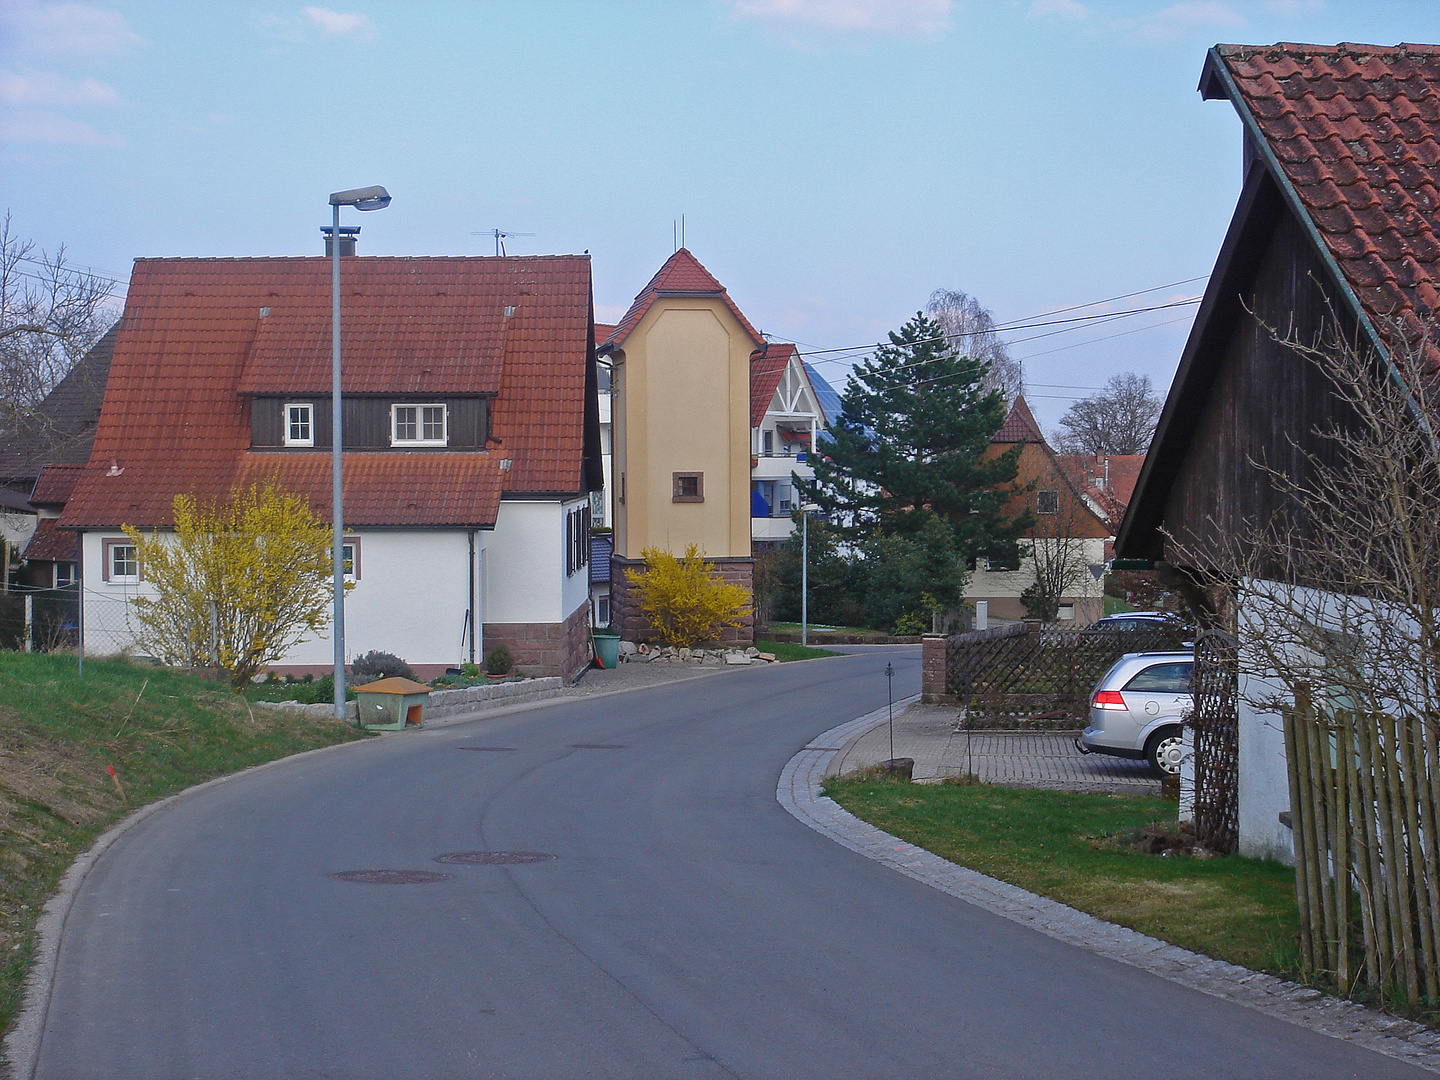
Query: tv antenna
[500,235]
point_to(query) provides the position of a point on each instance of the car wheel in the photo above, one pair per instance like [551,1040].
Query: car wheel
[1165,749]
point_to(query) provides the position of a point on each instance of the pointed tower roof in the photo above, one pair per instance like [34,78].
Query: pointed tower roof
[682,275]
[1019,426]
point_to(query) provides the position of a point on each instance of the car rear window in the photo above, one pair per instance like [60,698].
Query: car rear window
[1171,678]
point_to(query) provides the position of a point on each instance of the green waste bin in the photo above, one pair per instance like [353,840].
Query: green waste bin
[607,648]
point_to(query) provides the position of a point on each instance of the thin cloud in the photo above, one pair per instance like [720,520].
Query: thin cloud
[1179,20]
[918,18]
[342,24]
[1063,9]
[34,126]
[54,91]
[1295,7]
[67,30]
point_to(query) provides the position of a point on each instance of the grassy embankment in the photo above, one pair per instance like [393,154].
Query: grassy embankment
[60,733]
[787,650]
[1075,848]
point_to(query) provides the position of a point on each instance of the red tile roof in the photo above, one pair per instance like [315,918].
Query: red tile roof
[1356,132]
[603,331]
[766,370]
[50,544]
[682,275]
[1109,479]
[54,484]
[1019,426]
[197,336]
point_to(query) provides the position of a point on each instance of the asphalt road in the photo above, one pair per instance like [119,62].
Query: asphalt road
[687,926]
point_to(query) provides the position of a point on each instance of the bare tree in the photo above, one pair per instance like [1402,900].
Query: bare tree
[1119,420]
[1336,602]
[970,329]
[1065,562]
[50,315]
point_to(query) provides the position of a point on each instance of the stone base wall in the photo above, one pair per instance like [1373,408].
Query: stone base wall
[1010,609]
[627,620]
[933,651]
[545,649]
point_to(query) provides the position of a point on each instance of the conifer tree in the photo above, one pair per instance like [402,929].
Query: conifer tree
[907,450]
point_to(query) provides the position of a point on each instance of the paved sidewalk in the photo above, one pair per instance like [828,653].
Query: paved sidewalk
[1015,759]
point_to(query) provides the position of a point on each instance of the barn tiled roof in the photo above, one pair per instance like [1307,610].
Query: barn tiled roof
[682,275]
[63,425]
[50,544]
[1356,131]
[54,484]
[766,370]
[198,334]
[1019,426]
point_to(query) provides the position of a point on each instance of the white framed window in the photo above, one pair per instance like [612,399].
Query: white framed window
[120,562]
[1065,612]
[419,425]
[64,575]
[350,557]
[299,424]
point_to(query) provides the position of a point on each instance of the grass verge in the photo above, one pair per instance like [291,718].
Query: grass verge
[160,730]
[1072,848]
[788,650]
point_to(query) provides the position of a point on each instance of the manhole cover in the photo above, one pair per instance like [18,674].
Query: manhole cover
[390,877]
[493,858]
[487,749]
[596,746]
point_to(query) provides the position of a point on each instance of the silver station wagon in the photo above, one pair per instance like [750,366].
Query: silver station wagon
[1137,708]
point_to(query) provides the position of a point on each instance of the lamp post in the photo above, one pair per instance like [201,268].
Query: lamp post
[805,511]
[367,198]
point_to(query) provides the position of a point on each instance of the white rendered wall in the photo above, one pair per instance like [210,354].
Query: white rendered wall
[1011,583]
[525,565]
[410,600]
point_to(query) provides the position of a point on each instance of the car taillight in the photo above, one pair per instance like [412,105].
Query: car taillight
[1109,699]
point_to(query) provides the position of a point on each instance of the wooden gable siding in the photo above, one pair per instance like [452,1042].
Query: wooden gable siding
[367,421]
[1264,404]
[1037,471]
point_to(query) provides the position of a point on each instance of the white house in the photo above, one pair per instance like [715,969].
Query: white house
[786,420]
[471,441]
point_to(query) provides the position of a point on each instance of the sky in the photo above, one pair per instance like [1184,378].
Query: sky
[835,161]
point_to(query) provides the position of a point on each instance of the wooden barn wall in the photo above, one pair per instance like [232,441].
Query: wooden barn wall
[366,420]
[1264,396]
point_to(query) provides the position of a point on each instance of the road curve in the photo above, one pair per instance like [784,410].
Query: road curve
[686,926]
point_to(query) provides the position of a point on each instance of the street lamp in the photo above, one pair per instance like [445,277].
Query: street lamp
[366,198]
[806,509]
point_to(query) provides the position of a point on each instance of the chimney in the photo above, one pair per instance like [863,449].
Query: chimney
[348,233]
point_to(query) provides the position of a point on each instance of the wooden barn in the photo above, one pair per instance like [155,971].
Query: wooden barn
[1335,233]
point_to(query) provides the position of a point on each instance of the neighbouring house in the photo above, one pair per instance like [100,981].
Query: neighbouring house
[786,421]
[601,548]
[680,367]
[471,442]
[1337,228]
[1107,481]
[1066,543]
[37,458]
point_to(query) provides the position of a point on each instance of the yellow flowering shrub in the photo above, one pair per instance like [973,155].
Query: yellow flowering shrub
[244,580]
[684,598]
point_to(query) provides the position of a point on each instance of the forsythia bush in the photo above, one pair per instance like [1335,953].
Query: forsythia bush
[684,599]
[249,578]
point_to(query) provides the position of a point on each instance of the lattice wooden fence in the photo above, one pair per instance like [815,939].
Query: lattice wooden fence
[1215,721]
[1023,670]
[1365,802]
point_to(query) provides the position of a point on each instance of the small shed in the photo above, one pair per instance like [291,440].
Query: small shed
[391,704]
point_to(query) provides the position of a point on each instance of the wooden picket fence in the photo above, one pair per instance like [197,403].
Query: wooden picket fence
[1365,801]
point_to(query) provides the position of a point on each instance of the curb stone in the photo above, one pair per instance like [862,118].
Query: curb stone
[798,791]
